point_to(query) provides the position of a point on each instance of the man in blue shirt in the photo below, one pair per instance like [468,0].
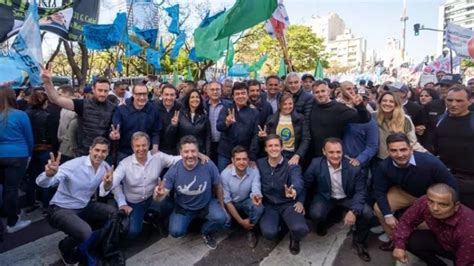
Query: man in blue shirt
[242,192]
[281,185]
[71,209]
[193,184]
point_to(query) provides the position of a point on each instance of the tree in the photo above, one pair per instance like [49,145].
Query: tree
[303,45]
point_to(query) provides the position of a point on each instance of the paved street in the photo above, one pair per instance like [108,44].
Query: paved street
[37,245]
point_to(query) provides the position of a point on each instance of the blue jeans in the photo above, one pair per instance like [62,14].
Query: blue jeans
[254,212]
[214,215]
[164,207]
[222,162]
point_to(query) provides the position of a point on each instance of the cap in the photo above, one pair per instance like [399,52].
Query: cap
[305,76]
[397,86]
[450,79]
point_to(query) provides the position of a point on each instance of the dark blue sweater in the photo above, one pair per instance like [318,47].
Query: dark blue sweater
[361,141]
[243,132]
[414,180]
[132,120]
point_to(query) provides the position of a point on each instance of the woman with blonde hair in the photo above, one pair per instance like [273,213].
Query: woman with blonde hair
[391,118]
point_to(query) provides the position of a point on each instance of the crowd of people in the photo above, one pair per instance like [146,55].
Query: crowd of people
[265,156]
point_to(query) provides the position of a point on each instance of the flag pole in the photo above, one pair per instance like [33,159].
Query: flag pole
[281,40]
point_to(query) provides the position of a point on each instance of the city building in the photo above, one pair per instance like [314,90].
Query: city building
[347,51]
[327,27]
[459,12]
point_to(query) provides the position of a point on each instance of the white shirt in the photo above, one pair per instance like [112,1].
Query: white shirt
[337,191]
[77,181]
[134,182]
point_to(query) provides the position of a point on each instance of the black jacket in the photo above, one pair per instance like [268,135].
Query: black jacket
[168,140]
[198,127]
[243,132]
[300,125]
[303,102]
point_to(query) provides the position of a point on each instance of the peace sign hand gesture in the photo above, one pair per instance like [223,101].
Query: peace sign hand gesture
[108,179]
[53,165]
[230,119]
[290,192]
[115,133]
[160,190]
[262,133]
[175,119]
[47,73]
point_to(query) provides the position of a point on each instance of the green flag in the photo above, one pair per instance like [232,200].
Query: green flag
[189,75]
[246,14]
[175,78]
[230,55]
[258,65]
[319,71]
[204,39]
[282,68]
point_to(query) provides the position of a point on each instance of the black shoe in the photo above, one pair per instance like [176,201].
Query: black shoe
[252,239]
[67,256]
[321,229]
[361,250]
[210,241]
[163,227]
[294,246]
[389,246]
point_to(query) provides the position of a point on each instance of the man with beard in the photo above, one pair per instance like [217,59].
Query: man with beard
[168,107]
[194,185]
[263,107]
[95,114]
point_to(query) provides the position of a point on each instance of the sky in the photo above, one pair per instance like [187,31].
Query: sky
[374,20]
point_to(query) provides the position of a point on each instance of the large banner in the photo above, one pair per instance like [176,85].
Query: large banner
[461,40]
[66,21]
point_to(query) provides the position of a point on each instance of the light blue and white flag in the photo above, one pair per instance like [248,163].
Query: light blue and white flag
[26,49]
[178,44]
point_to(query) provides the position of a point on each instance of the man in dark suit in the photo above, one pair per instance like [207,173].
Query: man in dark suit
[339,184]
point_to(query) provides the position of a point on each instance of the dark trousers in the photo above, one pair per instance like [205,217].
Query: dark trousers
[273,214]
[36,167]
[76,223]
[466,189]
[424,245]
[214,152]
[12,170]
[320,209]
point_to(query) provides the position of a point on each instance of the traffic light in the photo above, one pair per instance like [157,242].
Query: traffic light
[416,28]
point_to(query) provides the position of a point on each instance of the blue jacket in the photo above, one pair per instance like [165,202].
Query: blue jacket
[354,184]
[16,136]
[361,141]
[243,132]
[273,181]
[131,120]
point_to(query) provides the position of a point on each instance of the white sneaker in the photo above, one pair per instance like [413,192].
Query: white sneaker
[377,229]
[384,238]
[20,224]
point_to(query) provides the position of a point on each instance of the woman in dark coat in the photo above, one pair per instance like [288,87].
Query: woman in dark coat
[192,120]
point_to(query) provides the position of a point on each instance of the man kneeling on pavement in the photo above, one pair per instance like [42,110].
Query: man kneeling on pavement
[339,184]
[193,184]
[242,193]
[450,234]
[71,209]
